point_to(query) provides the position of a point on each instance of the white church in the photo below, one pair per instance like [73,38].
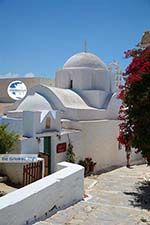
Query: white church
[81,109]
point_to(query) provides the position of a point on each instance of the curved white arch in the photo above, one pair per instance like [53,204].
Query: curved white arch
[60,98]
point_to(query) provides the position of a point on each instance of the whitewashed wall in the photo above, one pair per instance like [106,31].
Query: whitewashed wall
[35,122]
[13,171]
[98,140]
[14,124]
[94,98]
[32,202]
[30,146]
[81,77]
[75,139]
[113,107]
[84,78]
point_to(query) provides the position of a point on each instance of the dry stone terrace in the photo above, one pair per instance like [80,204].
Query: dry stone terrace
[119,197]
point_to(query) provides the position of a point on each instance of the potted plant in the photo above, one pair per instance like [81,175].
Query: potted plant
[92,166]
[88,164]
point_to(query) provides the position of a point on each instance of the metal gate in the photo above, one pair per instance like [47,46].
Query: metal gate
[32,172]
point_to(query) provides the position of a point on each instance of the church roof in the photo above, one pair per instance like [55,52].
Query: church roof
[85,60]
[34,102]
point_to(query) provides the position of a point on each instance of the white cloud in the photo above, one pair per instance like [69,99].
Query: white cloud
[9,75]
[12,75]
[30,75]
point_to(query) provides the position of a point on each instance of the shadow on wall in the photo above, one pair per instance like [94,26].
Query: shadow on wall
[141,197]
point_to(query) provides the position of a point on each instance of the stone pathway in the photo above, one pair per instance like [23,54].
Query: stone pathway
[5,188]
[119,197]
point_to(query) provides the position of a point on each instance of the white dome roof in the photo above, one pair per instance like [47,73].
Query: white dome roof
[34,102]
[84,59]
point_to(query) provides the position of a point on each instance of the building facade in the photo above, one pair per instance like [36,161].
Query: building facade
[82,109]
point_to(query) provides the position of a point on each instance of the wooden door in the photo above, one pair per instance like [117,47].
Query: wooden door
[45,156]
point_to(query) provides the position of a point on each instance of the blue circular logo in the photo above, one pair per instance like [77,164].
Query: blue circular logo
[17,90]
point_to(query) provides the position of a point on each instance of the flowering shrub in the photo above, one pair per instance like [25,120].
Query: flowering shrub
[135,110]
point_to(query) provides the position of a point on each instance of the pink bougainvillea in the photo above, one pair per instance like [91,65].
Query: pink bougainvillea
[134,129]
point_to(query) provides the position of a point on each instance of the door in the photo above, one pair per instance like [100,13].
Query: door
[47,155]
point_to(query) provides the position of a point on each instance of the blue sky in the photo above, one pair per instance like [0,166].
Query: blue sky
[38,36]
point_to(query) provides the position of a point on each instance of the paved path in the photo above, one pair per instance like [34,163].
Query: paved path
[5,188]
[119,197]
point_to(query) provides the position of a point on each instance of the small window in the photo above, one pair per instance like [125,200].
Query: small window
[48,123]
[71,84]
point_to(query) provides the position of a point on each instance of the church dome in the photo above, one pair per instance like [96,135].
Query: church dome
[84,60]
[34,102]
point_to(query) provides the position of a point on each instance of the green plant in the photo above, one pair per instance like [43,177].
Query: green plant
[7,139]
[88,164]
[70,155]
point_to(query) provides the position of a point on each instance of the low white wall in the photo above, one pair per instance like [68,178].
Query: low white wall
[14,171]
[32,202]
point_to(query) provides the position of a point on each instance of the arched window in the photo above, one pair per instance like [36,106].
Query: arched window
[48,123]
